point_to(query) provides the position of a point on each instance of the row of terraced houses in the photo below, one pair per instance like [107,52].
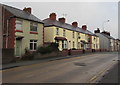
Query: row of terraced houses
[22,30]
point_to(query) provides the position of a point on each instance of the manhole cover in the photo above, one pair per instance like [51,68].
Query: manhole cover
[80,64]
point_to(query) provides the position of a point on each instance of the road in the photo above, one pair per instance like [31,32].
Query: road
[82,69]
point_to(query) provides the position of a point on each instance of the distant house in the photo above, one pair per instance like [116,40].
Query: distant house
[107,42]
[68,36]
[117,44]
[21,30]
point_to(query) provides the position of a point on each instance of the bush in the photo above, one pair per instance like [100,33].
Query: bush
[73,48]
[28,55]
[53,47]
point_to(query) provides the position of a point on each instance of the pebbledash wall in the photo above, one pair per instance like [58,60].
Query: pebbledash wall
[28,35]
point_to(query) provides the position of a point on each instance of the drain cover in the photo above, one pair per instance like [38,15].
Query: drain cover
[80,64]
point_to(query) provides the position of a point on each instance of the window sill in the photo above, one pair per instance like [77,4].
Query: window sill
[18,31]
[33,32]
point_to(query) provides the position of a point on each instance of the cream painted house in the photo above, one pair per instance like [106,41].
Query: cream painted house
[68,36]
[25,30]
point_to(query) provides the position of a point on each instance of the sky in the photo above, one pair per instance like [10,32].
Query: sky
[93,14]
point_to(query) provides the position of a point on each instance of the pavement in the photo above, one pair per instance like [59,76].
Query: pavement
[82,69]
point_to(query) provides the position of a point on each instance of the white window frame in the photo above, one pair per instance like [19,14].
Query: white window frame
[64,44]
[35,25]
[33,42]
[19,24]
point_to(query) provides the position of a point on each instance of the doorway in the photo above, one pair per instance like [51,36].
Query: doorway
[18,48]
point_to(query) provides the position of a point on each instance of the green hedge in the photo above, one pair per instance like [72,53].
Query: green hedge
[53,47]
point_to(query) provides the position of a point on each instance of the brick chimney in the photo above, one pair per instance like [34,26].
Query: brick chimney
[75,24]
[29,10]
[106,33]
[62,20]
[97,31]
[84,27]
[52,16]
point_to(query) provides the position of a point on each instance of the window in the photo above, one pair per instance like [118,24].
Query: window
[78,35]
[73,34]
[73,44]
[88,39]
[18,24]
[33,27]
[82,45]
[96,45]
[33,44]
[64,44]
[57,31]
[64,33]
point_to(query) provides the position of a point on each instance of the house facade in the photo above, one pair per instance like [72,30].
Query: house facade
[21,30]
[68,36]
[107,42]
[117,45]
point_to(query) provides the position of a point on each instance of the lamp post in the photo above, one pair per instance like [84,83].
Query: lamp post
[105,22]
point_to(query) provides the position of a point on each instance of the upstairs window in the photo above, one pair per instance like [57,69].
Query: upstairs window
[64,33]
[79,36]
[18,24]
[33,27]
[57,31]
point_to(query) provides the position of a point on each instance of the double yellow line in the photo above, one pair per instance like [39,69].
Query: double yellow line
[94,78]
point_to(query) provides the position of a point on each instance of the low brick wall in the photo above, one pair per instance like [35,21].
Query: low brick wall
[88,50]
[76,52]
[7,55]
[41,56]
[97,50]
[103,50]
[64,53]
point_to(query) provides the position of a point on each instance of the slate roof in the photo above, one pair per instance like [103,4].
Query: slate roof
[48,22]
[22,14]
[110,37]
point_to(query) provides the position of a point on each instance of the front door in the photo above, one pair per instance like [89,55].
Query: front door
[18,48]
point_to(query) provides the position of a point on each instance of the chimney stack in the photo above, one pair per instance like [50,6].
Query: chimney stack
[97,31]
[52,16]
[62,20]
[75,24]
[84,27]
[29,10]
[106,33]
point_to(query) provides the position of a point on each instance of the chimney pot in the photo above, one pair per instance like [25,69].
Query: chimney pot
[97,31]
[106,33]
[52,16]
[27,10]
[62,20]
[84,27]
[75,24]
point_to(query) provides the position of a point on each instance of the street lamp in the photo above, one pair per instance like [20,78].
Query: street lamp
[105,22]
